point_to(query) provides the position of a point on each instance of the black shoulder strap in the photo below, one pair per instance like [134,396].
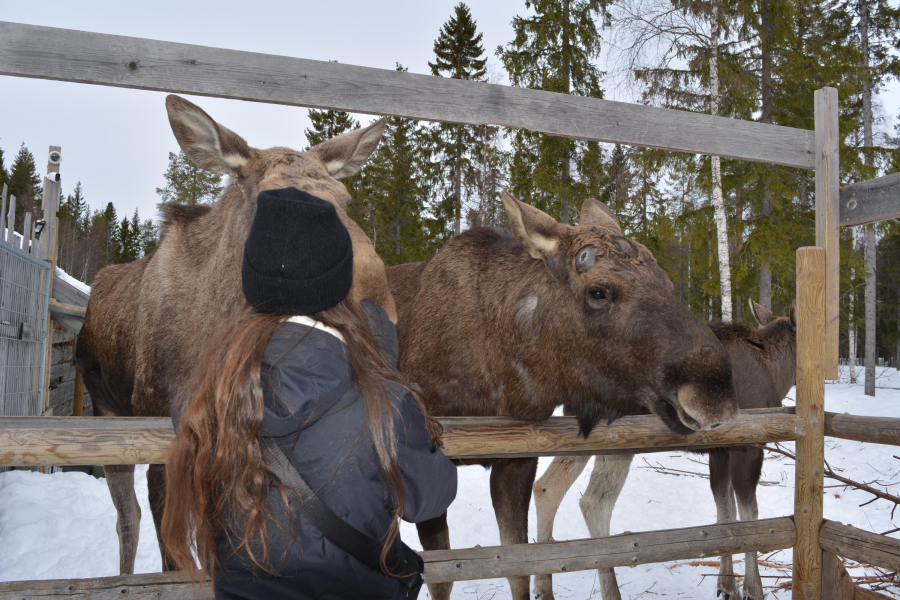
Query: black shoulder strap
[339,532]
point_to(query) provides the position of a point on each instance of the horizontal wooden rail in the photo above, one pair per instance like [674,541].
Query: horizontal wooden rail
[558,436]
[67,309]
[147,586]
[871,201]
[861,546]
[60,441]
[95,58]
[628,549]
[875,430]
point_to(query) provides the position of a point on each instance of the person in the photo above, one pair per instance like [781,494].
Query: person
[305,367]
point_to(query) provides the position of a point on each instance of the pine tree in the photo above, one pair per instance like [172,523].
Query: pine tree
[553,50]
[187,183]
[25,185]
[458,55]
[149,237]
[108,230]
[393,203]
[327,124]
[4,176]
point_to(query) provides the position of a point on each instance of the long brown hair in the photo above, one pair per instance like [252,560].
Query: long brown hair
[215,468]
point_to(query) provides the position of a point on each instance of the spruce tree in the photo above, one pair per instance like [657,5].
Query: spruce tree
[25,185]
[4,176]
[553,50]
[327,124]
[458,55]
[187,183]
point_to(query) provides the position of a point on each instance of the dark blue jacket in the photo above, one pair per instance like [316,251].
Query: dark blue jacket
[317,418]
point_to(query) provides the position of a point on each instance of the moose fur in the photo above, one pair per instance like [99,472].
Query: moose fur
[516,324]
[147,321]
[764,370]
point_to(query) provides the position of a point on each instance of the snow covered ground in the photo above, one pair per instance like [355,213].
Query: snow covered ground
[63,525]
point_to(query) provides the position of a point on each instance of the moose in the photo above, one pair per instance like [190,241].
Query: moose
[147,320]
[764,370]
[517,323]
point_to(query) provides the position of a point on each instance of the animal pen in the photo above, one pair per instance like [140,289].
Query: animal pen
[76,56]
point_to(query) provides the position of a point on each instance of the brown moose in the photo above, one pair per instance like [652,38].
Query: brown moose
[764,363]
[516,324]
[147,320]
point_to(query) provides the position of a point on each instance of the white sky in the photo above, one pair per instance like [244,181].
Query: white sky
[116,141]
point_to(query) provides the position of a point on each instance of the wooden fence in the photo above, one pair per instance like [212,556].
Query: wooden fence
[77,56]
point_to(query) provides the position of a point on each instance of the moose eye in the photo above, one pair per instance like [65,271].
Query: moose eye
[597,294]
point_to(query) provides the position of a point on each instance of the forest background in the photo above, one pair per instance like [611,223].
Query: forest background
[725,231]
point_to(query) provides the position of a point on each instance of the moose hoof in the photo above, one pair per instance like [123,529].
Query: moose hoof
[723,595]
[748,597]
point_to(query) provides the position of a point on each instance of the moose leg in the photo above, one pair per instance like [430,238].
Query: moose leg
[597,504]
[435,535]
[549,491]
[746,467]
[156,492]
[511,482]
[723,493]
[120,481]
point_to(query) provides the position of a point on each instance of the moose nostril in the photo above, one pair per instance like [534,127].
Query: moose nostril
[715,425]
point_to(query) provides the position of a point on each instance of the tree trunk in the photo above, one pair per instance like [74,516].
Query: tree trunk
[718,198]
[870,230]
[851,325]
[766,88]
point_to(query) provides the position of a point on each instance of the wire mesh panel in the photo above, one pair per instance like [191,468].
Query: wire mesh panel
[24,304]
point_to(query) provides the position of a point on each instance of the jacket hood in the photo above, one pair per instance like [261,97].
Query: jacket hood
[309,374]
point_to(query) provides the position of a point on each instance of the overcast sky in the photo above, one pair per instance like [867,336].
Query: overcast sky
[116,141]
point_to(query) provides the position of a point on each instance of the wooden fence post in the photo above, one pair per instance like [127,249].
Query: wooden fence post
[828,217]
[51,206]
[810,450]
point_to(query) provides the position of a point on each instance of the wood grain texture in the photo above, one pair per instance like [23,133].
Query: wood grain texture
[870,201]
[828,224]
[61,441]
[148,586]
[873,430]
[810,447]
[465,437]
[68,55]
[862,546]
[836,582]
[627,549]
[862,593]
[65,293]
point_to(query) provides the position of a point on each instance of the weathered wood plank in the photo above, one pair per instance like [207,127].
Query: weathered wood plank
[836,582]
[628,549]
[870,201]
[862,593]
[862,546]
[149,586]
[84,57]
[67,309]
[558,436]
[60,441]
[874,430]
[828,227]
[810,448]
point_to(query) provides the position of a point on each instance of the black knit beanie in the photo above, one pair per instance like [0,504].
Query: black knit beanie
[298,259]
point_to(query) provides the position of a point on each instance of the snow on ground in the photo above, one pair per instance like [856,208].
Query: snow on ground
[63,525]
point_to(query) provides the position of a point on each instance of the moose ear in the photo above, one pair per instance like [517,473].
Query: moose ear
[762,314]
[597,214]
[345,154]
[209,145]
[794,314]
[535,229]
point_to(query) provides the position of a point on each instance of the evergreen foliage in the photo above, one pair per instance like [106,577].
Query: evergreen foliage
[327,124]
[187,183]
[552,50]
[459,55]
[25,184]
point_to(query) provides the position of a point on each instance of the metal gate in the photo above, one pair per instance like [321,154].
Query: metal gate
[24,319]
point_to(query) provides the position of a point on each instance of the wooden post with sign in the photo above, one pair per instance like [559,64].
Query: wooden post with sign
[48,247]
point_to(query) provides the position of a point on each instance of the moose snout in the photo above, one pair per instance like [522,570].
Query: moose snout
[701,409]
